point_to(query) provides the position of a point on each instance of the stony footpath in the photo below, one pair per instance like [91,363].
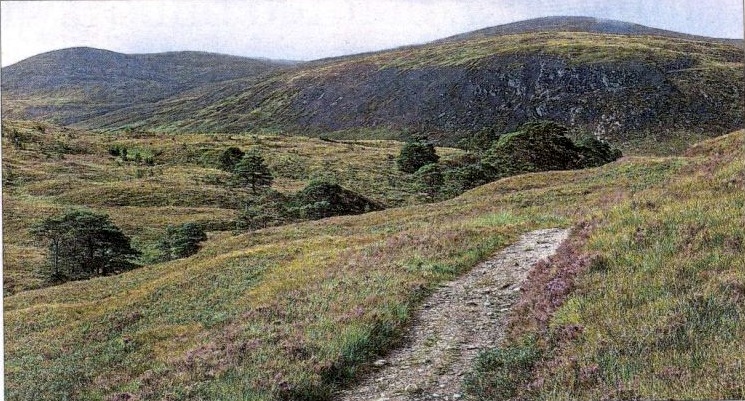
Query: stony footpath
[461,318]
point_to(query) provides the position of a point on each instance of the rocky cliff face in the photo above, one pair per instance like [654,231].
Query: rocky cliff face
[615,99]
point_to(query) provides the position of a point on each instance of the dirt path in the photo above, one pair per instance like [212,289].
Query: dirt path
[459,319]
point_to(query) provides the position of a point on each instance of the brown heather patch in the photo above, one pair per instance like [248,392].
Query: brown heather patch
[548,285]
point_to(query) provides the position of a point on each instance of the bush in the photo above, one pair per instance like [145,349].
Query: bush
[181,241]
[321,199]
[415,155]
[267,210]
[430,180]
[596,152]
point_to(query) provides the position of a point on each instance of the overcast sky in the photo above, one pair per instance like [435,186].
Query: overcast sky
[312,29]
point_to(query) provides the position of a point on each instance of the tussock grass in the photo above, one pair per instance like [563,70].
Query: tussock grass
[291,312]
[649,302]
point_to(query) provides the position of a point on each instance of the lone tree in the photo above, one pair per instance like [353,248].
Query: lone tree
[415,155]
[84,244]
[230,157]
[181,241]
[252,171]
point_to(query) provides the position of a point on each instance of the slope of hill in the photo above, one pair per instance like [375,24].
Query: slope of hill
[291,312]
[71,85]
[583,24]
[48,169]
[636,91]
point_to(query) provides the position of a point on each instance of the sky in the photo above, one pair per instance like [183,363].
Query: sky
[313,29]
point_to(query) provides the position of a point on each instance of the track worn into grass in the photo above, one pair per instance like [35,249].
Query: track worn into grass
[460,319]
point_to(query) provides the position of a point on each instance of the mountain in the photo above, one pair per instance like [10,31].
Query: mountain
[582,24]
[644,88]
[71,85]
[629,89]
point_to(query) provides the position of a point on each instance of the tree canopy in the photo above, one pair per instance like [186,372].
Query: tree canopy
[253,172]
[414,155]
[83,244]
[181,241]
[230,157]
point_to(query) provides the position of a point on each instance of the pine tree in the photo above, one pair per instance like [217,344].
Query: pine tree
[230,157]
[253,172]
[181,241]
[84,244]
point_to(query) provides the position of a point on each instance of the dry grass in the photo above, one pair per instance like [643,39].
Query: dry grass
[51,169]
[647,301]
[290,312]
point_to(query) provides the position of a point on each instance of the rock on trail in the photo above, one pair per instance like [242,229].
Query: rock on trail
[461,318]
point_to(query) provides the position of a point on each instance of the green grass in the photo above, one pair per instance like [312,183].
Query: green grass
[657,308]
[53,169]
[290,312]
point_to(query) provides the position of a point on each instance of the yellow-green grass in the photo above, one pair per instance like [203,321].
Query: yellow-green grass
[286,312]
[50,169]
[575,47]
[659,313]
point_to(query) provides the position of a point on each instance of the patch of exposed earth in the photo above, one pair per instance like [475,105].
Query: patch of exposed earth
[460,319]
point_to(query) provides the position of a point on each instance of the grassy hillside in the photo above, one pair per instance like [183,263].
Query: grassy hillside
[646,301]
[48,169]
[72,85]
[289,312]
[632,90]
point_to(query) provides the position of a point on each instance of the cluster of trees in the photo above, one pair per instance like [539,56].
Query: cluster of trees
[83,244]
[537,146]
[266,208]
[126,155]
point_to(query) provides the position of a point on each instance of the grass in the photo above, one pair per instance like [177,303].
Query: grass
[291,312]
[647,304]
[51,169]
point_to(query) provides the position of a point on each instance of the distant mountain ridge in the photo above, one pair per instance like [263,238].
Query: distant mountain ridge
[622,87]
[582,24]
[94,81]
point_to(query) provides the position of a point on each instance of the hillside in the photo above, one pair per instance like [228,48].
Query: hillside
[292,312]
[583,24]
[48,169]
[72,85]
[635,91]
[646,90]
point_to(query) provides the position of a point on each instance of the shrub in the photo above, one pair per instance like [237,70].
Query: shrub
[229,158]
[114,150]
[321,199]
[596,152]
[266,210]
[415,155]
[430,180]
[181,241]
